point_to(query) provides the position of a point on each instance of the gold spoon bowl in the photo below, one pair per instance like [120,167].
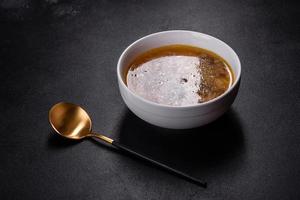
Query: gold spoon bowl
[71,121]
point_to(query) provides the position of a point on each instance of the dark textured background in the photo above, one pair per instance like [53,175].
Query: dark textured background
[56,50]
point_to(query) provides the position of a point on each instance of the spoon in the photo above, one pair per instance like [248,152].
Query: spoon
[73,122]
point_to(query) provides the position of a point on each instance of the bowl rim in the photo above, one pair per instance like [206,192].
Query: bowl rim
[121,81]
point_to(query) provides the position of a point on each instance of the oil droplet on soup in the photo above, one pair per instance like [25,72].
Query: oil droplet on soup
[179,75]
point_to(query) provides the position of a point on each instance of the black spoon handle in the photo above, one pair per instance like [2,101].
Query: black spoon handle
[163,166]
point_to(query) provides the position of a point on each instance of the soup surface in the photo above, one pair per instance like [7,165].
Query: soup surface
[179,75]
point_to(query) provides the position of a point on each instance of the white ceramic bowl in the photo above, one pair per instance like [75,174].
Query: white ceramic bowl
[181,117]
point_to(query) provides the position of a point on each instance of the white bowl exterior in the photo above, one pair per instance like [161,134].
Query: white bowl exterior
[186,116]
